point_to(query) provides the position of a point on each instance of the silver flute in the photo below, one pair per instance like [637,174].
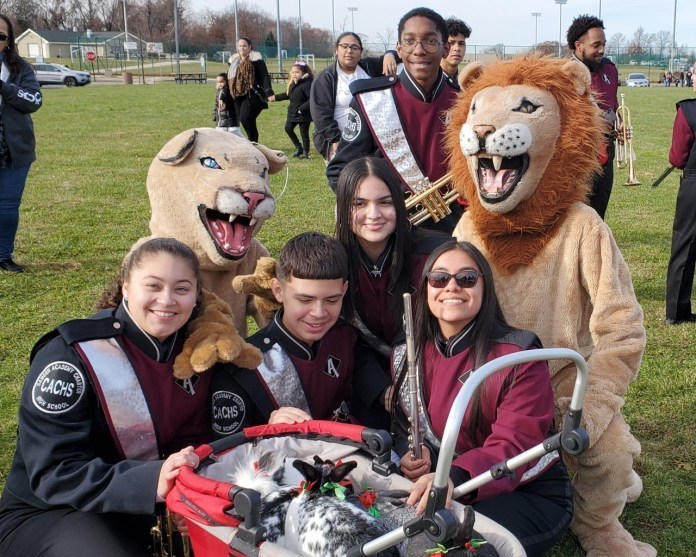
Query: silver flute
[414,434]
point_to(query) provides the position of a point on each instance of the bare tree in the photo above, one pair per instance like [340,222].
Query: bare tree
[617,39]
[387,38]
[663,39]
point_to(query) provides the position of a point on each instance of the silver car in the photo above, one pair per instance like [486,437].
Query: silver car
[57,73]
[637,80]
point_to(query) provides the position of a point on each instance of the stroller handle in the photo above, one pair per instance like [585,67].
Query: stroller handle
[461,402]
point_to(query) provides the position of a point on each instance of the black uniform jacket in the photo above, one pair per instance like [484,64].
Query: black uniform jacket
[338,368]
[66,455]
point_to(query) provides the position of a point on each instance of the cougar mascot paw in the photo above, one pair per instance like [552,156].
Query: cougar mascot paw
[210,190]
[523,147]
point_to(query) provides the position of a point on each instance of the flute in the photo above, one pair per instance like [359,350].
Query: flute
[414,435]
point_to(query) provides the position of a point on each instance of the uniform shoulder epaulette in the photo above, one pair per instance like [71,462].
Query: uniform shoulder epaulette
[608,61]
[102,325]
[372,84]
[524,339]
[426,241]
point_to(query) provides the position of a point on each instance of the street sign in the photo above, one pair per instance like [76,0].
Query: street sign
[91,55]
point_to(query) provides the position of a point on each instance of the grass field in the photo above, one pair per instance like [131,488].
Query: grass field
[86,203]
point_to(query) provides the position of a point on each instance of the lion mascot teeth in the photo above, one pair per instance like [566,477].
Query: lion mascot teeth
[210,190]
[522,147]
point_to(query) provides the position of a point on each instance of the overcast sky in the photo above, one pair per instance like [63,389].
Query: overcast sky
[493,21]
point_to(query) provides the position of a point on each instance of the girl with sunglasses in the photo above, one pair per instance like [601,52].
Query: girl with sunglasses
[459,326]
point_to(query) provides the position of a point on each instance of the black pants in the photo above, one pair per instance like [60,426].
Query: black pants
[247,114]
[537,513]
[601,187]
[304,134]
[680,271]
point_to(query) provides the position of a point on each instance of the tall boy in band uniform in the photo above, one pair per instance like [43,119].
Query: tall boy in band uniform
[314,364]
[682,261]
[586,39]
[402,119]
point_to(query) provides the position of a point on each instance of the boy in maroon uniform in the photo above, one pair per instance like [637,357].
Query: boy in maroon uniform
[314,365]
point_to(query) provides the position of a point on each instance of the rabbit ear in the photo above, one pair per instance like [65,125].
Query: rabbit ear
[342,470]
[309,472]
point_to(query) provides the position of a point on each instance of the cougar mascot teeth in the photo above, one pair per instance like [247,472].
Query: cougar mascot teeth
[522,147]
[210,189]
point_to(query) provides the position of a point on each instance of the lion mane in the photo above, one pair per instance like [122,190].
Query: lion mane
[516,236]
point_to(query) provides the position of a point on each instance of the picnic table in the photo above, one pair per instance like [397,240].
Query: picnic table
[180,78]
[278,76]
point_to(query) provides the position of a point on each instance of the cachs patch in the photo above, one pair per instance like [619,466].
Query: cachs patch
[332,365]
[58,388]
[188,384]
[228,412]
[353,126]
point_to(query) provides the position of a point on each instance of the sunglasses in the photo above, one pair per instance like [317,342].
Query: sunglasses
[465,279]
[3,37]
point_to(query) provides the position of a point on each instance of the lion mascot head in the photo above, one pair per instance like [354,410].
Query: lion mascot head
[210,190]
[522,148]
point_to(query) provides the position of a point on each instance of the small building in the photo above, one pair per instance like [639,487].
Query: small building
[42,44]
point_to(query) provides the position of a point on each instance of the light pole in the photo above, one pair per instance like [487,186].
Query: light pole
[352,16]
[560,3]
[236,25]
[176,37]
[125,28]
[600,9]
[333,21]
[300,12]
[536,16]
[674,38]
[280,48]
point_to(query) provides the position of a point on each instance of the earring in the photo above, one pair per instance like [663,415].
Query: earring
[125,298]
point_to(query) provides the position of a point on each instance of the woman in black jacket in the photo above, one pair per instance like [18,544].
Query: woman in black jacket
[299,86]
[20,95]
[331,94]
[250,86]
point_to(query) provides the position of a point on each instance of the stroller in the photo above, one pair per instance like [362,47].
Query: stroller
[224,519]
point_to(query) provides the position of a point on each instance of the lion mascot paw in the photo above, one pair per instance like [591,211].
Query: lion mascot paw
[213,337]
[259,286]
[211,190]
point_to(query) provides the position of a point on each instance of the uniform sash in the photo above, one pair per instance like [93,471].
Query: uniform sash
[282,380]
[122,398]
[382,116]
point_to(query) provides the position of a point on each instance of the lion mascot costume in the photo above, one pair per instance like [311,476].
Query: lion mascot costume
[522,146]
[210,190]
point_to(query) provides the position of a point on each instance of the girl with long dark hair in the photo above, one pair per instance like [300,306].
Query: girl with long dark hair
[458,327]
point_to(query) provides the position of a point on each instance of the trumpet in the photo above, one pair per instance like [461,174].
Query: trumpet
[625,154]
[163,544]
[431,202]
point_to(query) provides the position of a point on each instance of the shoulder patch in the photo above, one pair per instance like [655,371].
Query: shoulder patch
[228,411]
[353,126]
[524,339]
[58,388]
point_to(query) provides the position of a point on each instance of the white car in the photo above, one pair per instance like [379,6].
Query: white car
[637,80]
[57,73]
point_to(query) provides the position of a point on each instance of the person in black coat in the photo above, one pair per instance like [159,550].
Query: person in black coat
[298,90]
[331,96]
[250,86]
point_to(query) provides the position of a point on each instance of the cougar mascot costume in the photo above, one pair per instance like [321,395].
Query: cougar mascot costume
[522,145]
[210,190]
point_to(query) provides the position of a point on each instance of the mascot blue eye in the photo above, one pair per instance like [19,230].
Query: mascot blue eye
[210,162]
[526,106]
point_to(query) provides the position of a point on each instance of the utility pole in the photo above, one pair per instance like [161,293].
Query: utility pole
[352,16]
[560,3]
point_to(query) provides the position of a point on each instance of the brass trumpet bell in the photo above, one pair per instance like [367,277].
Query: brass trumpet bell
[625,154]
[432,202]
